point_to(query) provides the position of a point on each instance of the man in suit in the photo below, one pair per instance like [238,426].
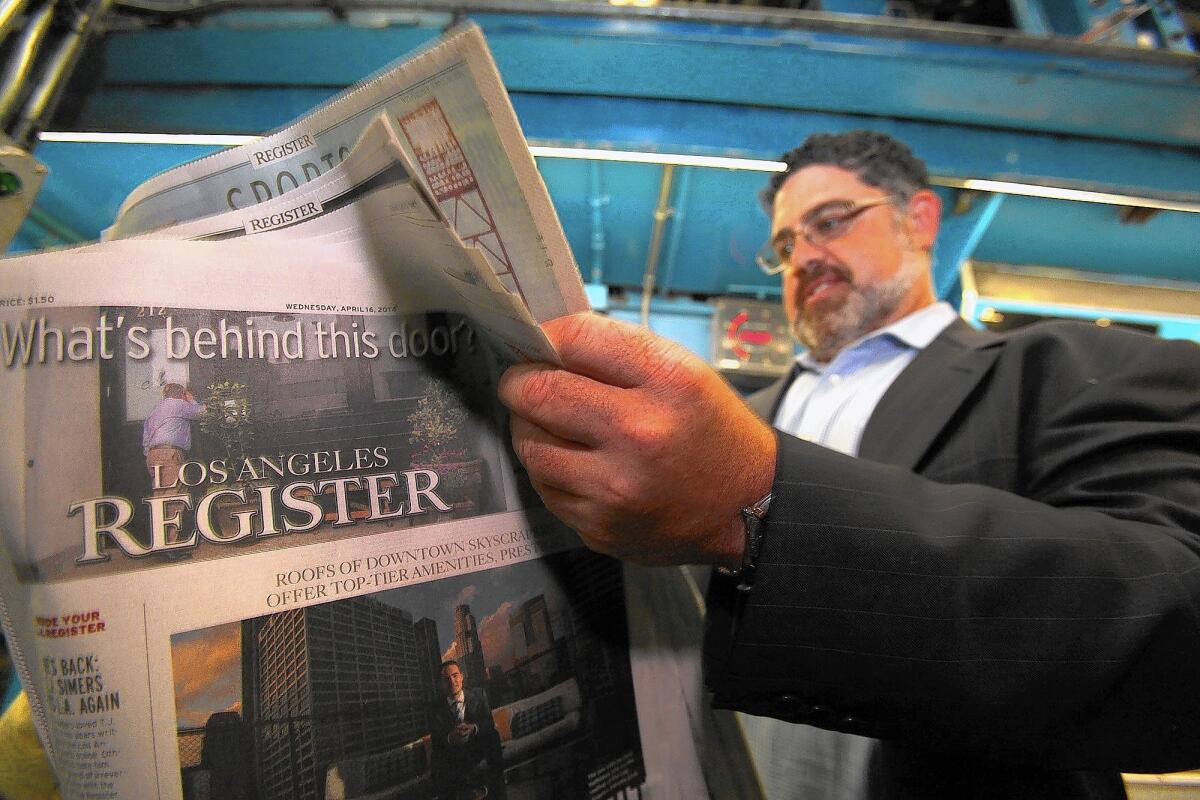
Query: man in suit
[463,734]
[980,552]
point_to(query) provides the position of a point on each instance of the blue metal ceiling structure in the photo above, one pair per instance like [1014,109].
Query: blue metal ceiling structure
[974,102]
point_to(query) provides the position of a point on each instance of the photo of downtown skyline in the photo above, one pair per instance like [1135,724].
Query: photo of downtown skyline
[208,676]
[282,705]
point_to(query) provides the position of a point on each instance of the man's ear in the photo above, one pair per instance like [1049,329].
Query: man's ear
[924,215]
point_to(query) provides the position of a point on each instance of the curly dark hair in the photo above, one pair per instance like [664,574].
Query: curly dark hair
[876,158]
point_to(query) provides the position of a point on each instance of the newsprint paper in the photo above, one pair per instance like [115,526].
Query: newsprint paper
[258,491]
[459,132]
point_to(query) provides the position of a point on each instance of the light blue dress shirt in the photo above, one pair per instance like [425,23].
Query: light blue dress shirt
[170,424]
[830,404]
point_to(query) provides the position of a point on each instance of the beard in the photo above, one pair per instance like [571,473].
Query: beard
[826,332]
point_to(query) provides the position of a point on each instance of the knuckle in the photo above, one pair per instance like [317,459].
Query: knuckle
[647,438]
[510,380]
[623,492]
[668,365]
[536,391]
[526,452]
[529,449]
[598,543]
[549,499]
[653,436]
[575,332]
[604,542]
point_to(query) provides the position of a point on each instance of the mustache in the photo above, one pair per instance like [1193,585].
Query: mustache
[818,270]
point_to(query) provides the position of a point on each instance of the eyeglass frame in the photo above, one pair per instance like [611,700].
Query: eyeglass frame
[852,213]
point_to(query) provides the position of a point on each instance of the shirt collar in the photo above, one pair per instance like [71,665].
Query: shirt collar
[456,698]
[916,331]
[921,327]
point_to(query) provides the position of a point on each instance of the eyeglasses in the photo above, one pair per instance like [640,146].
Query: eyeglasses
[830,222]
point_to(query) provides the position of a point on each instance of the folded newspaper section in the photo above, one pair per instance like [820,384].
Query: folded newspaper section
[375,162]
[257,498]
[370,208]
[457,127]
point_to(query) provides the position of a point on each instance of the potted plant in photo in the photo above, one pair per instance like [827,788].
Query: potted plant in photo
[440,443]
[227,418]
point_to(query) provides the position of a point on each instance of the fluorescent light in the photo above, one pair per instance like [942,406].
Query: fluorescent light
[1061,193]
[977,184]
[676,159]
[679,160]
[591,154]
[219,140]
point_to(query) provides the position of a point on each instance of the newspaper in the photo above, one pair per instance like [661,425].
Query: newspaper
[369,207]
[259,491]
[460,131]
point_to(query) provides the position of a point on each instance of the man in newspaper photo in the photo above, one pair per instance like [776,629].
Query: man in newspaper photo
[466,761]
[167,437]
[980,552]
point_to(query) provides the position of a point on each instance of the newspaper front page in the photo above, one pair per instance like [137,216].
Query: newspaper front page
[260,607]
[259,490]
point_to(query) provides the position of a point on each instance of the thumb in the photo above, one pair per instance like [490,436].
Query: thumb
[617,353]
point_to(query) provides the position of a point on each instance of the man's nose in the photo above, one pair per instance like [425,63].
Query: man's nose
[804,256]
[802,264]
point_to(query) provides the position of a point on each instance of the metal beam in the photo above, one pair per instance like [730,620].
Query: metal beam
[436,13]
[953,151]
[1001,82]
[964,222]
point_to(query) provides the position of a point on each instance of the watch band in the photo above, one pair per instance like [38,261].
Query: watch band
[752,517]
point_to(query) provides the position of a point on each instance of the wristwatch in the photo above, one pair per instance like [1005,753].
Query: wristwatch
[752,517]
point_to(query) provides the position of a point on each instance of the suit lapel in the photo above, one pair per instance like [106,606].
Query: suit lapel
[766,401]
[926,395]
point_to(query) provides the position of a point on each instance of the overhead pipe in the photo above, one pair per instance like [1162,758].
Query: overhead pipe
[10,10]
[599,240]
[21,62]
[680,211]
[55,74]
[819,22]
[662,213]
[57,232]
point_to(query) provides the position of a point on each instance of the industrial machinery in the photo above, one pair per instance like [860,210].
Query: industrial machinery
[41,43]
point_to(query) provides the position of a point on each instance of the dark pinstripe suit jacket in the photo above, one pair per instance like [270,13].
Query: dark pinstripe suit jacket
[1004,586]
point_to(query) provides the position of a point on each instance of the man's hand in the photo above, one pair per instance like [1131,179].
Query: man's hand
[638,445]
[462,732]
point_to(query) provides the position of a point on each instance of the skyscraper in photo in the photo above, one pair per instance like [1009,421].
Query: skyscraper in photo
[470,651]
[595,591]
[429,654]
[530,629]
[327,683]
